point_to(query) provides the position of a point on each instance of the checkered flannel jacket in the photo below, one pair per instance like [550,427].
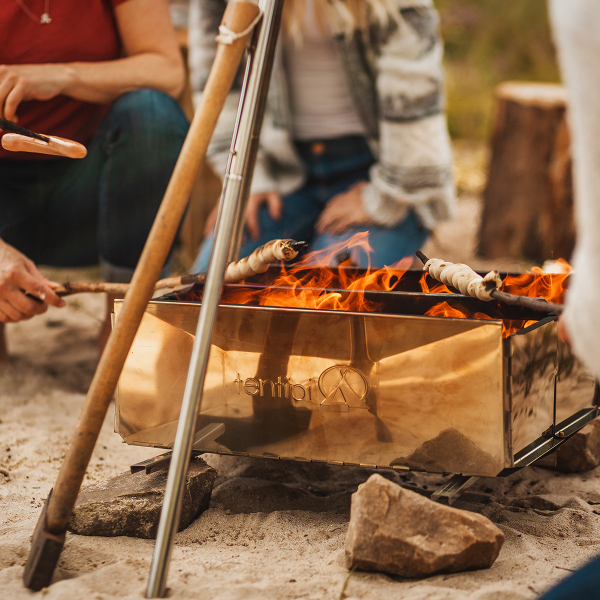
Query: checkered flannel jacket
[395,76]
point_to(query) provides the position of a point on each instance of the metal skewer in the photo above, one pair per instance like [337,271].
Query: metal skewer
[7,125]
[230,216]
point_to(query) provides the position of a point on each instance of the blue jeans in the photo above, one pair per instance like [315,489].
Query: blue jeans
[73,213]
[332,166]
[581,585]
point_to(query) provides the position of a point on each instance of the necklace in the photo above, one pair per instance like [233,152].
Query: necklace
[44,19]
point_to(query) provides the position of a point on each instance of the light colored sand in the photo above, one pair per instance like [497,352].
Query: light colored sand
[274,530]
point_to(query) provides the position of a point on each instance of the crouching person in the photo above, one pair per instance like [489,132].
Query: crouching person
[104,73]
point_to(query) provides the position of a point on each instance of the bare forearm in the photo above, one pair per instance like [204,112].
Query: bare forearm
[103,82]
[151,59]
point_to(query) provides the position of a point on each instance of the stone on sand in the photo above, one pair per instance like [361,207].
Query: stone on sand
[582,451]
[398,531]
[131,504]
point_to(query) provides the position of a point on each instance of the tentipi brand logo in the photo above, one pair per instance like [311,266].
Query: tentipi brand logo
[339,385]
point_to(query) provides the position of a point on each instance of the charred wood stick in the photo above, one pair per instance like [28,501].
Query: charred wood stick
[257,262]
[99,287]
[458,277]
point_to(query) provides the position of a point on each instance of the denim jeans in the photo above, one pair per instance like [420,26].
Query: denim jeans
[584,584]
[332,166]
[72,213]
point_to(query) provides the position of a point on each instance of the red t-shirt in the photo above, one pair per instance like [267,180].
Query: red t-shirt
[80,31]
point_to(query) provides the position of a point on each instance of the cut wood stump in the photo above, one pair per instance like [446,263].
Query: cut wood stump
[528,200]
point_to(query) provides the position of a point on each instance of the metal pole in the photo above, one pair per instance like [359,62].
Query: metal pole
[258,87]
[257,83]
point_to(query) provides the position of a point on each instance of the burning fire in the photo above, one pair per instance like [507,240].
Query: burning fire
[307,284]
[537,283]
[443,309]
[550,286]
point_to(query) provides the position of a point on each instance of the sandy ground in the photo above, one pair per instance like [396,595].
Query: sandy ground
[274,529]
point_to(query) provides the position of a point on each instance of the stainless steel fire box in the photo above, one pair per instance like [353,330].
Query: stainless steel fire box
[403,391]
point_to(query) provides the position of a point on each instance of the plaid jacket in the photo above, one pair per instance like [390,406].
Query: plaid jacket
[396,80]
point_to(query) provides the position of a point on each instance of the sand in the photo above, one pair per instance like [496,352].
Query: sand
[274,529]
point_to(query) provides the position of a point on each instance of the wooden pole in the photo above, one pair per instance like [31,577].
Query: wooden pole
[46,543]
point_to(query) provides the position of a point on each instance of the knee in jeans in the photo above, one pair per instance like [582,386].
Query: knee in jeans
[150,111]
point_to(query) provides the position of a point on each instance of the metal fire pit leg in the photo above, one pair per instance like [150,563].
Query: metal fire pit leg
[162,461]
[249,119]
[453,488]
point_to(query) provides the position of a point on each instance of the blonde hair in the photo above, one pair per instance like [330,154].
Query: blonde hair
[346,16]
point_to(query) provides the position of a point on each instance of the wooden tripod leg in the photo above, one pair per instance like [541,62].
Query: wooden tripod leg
[239,17]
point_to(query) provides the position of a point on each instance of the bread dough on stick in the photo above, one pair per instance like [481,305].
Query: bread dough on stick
[57,146]
[261,258]
[463,278]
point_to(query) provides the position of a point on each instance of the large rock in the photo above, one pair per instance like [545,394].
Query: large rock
[131,504]
[582,451]
[398,531]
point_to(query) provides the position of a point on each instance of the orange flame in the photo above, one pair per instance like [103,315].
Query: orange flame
[443,309]
[305,284]
[550,286]
[437,288]
[536,283]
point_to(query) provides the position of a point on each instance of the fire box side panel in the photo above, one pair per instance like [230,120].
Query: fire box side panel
[537,357]
[413,392]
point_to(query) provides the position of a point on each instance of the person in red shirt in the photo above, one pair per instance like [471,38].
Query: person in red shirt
[104,73]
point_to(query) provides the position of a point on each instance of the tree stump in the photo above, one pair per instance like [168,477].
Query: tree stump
[528,200]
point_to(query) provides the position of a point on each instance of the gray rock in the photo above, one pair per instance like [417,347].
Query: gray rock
[582,451]
[398,531]
[131,504]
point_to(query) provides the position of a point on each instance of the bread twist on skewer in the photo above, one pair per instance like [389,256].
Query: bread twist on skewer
[257,262]
[463,278]
[261,258]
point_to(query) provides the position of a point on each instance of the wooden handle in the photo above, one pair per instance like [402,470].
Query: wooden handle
[57,146]
[238,16]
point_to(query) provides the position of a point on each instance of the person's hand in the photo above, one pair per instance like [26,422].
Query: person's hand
[343,211]
[29,82]
[255,201]
[18,275]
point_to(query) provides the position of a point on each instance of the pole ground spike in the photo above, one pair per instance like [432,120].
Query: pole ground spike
[49,535]
[44,554]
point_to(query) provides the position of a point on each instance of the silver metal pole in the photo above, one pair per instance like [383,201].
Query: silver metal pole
[258,87]
[257,82]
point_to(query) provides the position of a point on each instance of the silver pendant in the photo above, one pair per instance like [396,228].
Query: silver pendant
[45,19]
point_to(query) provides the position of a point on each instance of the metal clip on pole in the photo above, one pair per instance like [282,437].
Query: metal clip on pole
[230,219]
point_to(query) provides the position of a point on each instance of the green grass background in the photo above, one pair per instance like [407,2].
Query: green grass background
[487,42]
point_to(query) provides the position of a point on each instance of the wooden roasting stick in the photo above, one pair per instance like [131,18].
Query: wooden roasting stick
[49,534]
[469,283]
[257,262]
